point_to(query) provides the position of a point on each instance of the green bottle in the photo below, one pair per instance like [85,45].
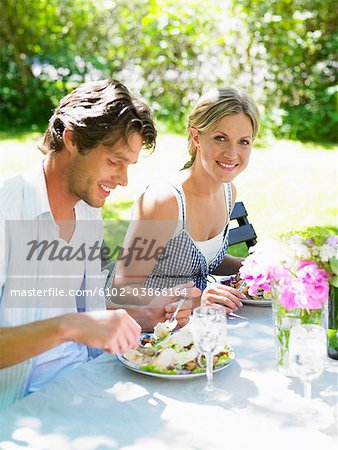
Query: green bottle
[333,312]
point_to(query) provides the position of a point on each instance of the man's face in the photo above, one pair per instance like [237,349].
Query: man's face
[92,176]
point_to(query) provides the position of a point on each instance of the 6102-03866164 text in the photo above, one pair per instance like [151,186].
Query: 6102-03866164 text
[143,291]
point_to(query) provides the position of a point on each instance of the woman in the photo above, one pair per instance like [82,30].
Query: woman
[195,210]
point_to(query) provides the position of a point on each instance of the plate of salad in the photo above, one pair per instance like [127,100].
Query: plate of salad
[254,300]
[172,355]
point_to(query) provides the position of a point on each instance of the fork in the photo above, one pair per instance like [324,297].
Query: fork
[173,320]
[172,323]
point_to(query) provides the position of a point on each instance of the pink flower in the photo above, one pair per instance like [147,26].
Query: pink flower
[287,300]
[295,282]
[286,283]
[313,285]
[255,275]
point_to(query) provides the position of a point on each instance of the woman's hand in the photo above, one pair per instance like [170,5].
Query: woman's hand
[226,296]
[162,308]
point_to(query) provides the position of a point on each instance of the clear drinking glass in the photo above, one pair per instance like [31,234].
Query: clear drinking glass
[307,359]
[209,326]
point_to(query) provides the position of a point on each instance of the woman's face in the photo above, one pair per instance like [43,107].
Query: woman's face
[224,150]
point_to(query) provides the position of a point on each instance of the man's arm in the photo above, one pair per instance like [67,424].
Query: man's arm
[112,331]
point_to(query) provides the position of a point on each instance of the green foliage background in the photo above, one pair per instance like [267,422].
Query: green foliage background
[281,51]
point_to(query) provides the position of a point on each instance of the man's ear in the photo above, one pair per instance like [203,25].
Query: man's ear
[69,141]
[195,137]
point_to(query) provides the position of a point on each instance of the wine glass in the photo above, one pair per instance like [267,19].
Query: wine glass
[307,359]
[208,327]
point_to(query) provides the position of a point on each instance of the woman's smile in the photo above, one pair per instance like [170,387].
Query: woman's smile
[227,166]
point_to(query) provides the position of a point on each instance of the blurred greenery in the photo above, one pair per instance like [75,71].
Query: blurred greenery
[240,250]
[116,211]
[282,52]
[114,233]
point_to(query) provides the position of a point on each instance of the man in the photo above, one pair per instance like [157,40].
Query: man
[93,136]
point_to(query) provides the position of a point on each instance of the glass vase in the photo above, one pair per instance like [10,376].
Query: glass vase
[284,320]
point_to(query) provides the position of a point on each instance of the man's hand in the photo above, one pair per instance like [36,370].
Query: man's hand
[220,294]
[113,331]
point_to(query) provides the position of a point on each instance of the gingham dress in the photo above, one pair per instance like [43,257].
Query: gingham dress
[183,260]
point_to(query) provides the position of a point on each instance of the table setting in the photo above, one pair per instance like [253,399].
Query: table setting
[104,405]
[260,378]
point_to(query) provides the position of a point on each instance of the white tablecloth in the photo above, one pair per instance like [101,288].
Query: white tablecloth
[103,405]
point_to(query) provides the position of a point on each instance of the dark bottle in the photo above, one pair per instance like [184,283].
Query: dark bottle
[333,323]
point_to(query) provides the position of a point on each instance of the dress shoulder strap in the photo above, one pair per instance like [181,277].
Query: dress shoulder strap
[228,196]
[180,197]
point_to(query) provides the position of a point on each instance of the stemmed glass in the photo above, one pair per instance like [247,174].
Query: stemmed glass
[307,359]
[209,326]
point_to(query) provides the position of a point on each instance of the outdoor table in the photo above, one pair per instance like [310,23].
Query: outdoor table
[103,405]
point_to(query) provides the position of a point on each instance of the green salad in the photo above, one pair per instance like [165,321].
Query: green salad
[174,354]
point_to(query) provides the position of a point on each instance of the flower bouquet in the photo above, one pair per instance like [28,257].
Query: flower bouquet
[294,272]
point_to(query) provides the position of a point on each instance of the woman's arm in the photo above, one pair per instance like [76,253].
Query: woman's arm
[153,223]
[229,265]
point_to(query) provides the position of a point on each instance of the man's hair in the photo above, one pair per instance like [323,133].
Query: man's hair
[99,112]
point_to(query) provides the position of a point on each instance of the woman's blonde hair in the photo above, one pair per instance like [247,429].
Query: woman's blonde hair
[214,105]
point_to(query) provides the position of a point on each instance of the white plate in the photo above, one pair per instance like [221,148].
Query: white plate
[180,376]
[247,301]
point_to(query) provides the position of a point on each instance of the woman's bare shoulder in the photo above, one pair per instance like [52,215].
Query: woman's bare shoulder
[158,202]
